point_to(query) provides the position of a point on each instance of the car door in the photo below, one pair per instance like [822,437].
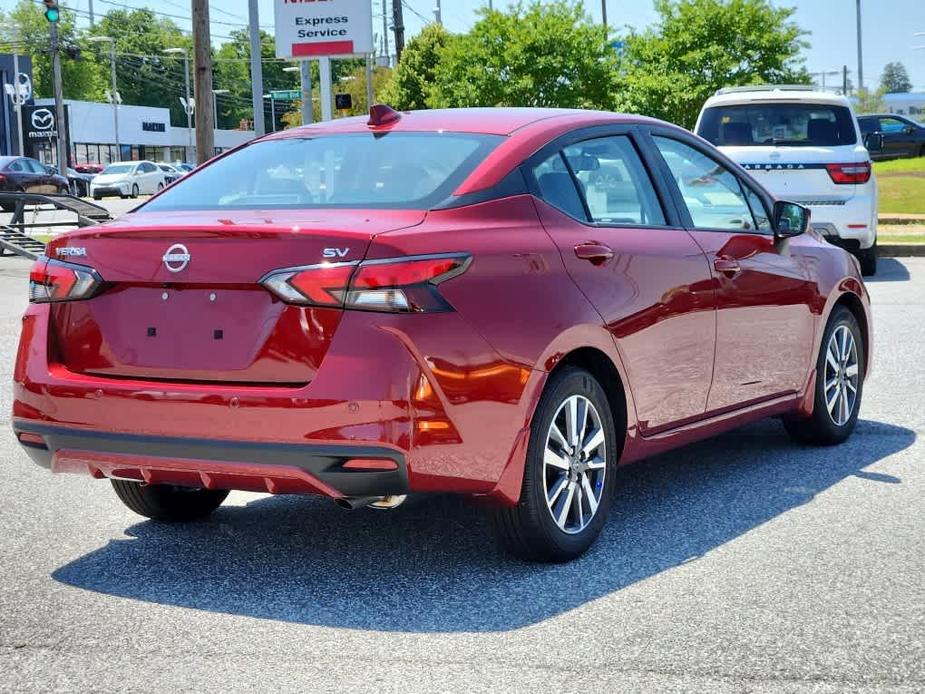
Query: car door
[764,293]
[898,136]
[644,274]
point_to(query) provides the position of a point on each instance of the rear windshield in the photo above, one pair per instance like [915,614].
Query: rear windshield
[393,170]
[791,125]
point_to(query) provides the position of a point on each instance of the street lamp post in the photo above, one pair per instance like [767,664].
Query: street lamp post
[216,92]
[188,104]
[114,95]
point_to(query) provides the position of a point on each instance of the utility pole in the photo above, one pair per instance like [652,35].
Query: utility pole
[385,33]
[92,22]
[604,13]
[438,13]
[114,94]
[256,68]
[202,81]
[324,70]
[860,59]
[60,124]
[398,26]
[305,83]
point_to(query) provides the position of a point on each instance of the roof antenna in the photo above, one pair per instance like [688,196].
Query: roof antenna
[382,114]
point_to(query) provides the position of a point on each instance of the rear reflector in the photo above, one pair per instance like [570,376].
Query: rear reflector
[29,439]
[400,285]
[370,464]
[849,173]
[54,280]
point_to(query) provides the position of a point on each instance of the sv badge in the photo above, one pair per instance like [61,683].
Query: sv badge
[335,252]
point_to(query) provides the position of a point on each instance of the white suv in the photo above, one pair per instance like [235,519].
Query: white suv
[804,146]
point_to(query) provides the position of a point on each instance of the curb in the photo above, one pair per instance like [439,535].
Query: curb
[901,250]
[901,219]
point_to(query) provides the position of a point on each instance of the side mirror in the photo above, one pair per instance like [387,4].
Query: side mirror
[790,219]
[873,142]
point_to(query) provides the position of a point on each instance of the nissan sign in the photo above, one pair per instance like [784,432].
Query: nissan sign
[314,28]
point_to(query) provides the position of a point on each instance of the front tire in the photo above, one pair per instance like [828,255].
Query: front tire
[135,190]
[868,260]
[839,384]
[569,474]
[165,502]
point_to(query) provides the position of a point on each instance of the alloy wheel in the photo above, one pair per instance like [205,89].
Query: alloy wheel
[574,464]
[841,375]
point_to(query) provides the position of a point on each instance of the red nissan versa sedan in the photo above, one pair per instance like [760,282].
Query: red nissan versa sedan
[498,303]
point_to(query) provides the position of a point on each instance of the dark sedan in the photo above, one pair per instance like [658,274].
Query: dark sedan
[24,174]
[902,137]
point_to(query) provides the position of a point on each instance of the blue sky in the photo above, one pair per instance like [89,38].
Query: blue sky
[888,33]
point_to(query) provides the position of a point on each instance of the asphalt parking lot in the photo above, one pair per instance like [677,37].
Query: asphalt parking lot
[745,563]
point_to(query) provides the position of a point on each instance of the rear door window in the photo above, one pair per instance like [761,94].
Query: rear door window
[557,187]
[614,181]
[778,124]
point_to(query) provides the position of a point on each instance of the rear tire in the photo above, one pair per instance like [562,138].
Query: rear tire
[828,427]
[868,260]
[546,524]
[165,502]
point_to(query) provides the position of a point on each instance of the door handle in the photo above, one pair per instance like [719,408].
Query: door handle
[728,266]
[597,253]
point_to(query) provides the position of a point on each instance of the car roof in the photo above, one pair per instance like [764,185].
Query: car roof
[782,93]
[526,130]
[486,121]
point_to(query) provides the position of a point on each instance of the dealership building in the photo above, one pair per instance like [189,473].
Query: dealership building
[145,132]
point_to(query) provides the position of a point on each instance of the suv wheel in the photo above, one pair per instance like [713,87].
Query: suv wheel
[165,502]
[569,473]
[839,384]
[868,260]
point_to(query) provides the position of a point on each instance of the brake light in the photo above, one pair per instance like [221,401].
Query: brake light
[54,280]
[849,173]
[401,285]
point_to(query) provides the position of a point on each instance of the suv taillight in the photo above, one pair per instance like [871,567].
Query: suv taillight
[849,173]
[398,285]
[54,280]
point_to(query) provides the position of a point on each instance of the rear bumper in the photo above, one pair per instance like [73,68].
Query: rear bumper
[854,221]
[252,466]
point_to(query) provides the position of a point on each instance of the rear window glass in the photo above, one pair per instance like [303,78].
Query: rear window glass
[393,170]
[790,125]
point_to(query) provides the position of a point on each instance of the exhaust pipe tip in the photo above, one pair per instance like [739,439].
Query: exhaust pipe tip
[352,503]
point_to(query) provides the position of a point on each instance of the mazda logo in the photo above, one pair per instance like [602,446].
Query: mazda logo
[176,258]
[43,119]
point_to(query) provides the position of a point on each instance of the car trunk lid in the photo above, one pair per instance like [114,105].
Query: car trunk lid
[182,300]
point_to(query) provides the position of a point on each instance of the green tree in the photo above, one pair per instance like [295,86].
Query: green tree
[895,79]
[145,75]
[541,54]
[699,46]
[27,28]
[413,78]
[867,101]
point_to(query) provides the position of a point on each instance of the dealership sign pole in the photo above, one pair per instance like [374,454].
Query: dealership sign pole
[306,29]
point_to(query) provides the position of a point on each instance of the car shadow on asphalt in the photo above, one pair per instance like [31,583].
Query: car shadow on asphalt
[432,565]
[889,270]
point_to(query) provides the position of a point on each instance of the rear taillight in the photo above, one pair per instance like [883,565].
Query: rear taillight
[54,280]
[401,285]
[849,173]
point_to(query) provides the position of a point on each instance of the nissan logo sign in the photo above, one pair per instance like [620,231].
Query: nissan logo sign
[176,258]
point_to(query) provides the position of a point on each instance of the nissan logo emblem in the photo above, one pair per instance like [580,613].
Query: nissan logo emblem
[176,258]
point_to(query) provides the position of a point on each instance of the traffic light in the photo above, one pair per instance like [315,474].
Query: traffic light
[52,11]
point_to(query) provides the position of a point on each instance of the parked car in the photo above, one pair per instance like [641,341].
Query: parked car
[24,174]
[902,137]
[184,166]
[498,303]
[805,146]
[79,183]
[87,168]
[127,179]
[171,173]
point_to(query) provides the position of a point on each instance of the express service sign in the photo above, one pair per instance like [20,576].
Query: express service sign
[309,28]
